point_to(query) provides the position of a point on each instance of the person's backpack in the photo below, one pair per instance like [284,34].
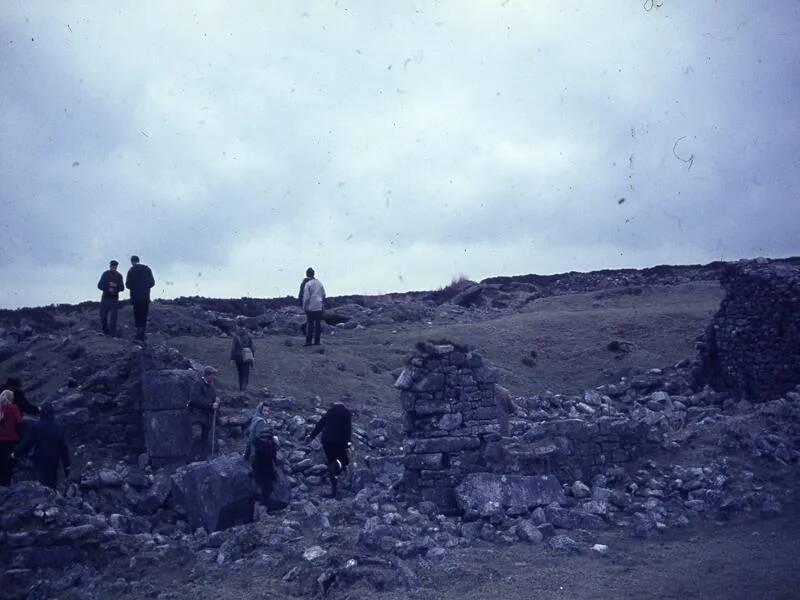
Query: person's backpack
[247,356]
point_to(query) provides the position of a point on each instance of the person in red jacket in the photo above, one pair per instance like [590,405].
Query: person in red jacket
[10,427]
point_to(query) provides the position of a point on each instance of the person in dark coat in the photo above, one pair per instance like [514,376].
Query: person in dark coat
[202,406]
[20,399]
[111,285]
[139,281]
[241,340]
[261,452]
[46,438]
[337,431]
[10,430]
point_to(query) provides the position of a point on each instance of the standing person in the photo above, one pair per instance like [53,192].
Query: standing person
[203,404]
[313,295]
[111,285]
[243,354]
[261,451]
[49,444]
[300,298]
[337,431]
[10,429]
[139,280]
[20,399]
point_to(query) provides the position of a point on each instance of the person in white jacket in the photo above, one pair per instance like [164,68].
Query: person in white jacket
[313,304]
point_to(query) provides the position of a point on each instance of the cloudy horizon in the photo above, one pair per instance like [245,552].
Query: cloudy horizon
[392,147]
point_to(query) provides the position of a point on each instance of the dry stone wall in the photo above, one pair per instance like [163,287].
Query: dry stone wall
[752,346]
[452,430]
[448,396]
[575,448]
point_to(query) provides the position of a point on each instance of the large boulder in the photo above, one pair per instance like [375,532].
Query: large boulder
[216,494]
[477,489]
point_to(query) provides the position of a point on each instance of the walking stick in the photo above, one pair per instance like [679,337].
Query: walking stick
[213,431]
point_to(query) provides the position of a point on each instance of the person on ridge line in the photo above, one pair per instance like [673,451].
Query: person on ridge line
[139,280]
[313,296]
[111,285]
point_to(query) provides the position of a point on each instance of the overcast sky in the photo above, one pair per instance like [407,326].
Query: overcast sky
[392,145]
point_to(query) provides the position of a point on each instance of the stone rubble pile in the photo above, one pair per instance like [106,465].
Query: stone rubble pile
[572,468]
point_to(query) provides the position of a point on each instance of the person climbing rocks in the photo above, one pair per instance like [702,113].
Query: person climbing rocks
[47,439]
[10,430]
[337,432]
[242,354]
[261,452]
[20,399]
[139,281]
[313,296]
[111,285]
[202,406]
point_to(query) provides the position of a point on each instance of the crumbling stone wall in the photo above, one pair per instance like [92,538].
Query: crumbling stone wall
[448,396]
[752,346]
[108,412]
[578,448]
[452,430]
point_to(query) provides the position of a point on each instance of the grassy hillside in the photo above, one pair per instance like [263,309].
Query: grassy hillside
[569,334]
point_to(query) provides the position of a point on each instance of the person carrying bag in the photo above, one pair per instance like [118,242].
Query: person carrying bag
[242,354]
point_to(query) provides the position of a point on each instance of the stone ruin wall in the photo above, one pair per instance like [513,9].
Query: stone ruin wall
[123,410]
[578,449]
[105,412]
[448,396]
[449,400]
[752,346]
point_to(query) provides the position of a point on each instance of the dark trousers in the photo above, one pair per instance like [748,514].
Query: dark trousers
[201,445]
[264,475]
[334,452]
[313,325]
[243,369]
[6,448]
[47,475]
[140,312]
[108,308]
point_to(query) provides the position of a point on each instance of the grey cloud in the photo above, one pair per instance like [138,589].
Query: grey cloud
[434,140]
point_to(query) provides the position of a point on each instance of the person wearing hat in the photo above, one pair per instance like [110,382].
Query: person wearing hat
[202,406]
[139,280]
[111,285]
